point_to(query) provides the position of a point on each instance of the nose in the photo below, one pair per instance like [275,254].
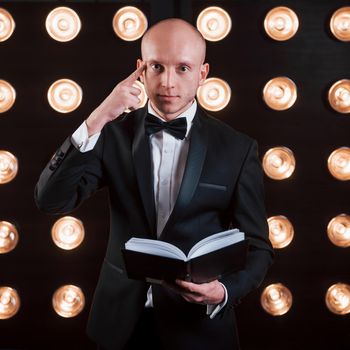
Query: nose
[168,78]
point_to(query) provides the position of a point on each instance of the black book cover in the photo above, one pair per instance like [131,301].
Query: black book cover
[201,269]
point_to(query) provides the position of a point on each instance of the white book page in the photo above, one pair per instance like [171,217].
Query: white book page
[215,242]
[150,246]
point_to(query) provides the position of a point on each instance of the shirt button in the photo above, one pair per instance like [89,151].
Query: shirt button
[164,182]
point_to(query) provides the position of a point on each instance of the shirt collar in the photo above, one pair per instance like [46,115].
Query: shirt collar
[189,114]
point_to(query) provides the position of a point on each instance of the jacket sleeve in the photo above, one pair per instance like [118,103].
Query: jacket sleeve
[69,178]
[249,215]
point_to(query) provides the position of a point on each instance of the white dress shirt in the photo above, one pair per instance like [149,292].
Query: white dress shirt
[169,156]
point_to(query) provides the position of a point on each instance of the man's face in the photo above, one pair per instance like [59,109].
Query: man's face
[173,73]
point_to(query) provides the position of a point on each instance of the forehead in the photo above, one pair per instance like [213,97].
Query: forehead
[172,47]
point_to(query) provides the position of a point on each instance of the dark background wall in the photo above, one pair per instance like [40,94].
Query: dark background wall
[97,60]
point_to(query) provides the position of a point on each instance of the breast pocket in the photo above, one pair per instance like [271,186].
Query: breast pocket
[213,186]
[211,196]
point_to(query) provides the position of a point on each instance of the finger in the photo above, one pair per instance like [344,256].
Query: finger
[133,103]
[134,75]
[135,91]
[191,287]
[193,298]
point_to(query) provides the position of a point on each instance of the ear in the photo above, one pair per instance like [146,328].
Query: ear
[138,65]
[203,73]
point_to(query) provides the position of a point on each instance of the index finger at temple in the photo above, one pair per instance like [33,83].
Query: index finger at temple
[134,75]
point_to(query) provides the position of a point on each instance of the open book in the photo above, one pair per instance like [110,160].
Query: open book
[209,259]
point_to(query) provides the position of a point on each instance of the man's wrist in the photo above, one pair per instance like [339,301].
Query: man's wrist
[223,292]
[93,127]
[213,310]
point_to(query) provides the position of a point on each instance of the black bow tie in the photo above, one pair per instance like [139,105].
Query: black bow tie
[176,127]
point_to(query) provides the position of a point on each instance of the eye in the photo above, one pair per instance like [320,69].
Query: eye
[156,66]
[184,69]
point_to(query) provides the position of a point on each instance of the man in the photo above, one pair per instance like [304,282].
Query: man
[180,184]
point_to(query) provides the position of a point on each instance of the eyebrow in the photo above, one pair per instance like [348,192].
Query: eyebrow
[182,63]
[186,63]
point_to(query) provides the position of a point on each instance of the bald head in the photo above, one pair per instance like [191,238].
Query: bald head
[174,31]
[173,53]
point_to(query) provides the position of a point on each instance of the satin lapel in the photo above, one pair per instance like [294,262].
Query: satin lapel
[194,164]
[141,152]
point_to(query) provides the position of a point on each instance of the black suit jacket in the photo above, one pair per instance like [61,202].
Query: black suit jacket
[222,186]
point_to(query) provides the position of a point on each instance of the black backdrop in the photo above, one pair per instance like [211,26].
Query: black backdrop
[31,61]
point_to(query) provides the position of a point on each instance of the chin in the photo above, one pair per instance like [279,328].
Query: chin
[168,108]
[171,111]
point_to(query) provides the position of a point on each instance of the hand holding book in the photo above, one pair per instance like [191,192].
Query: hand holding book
[211,293]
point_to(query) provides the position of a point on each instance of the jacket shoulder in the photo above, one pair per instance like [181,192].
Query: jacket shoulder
[225,132]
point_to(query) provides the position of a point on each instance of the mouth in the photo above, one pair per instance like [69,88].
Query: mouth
[167,97]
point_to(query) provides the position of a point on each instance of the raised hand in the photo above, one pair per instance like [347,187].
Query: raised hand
[123,96]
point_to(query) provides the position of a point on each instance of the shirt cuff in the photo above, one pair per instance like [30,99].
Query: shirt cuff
[149,301]
[81,140]
[213,310]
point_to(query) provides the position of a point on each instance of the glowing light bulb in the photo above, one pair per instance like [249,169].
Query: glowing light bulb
[8,167]
[338,230]
[339,163]
[281,231]
[280,93]
[340,24]
[281,23]
[63,24]
[214,23]
[8,237]
[214,94]
[64,95]
[279,163]
[338,298]
[129,23]
[9,302]
[276,299]
[68,232]
[7,96]
[68,301]
[7,25]
[339,96]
